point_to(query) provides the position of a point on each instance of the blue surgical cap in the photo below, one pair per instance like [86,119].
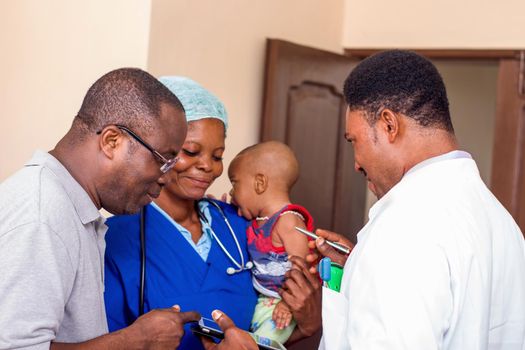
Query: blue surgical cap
[198,102]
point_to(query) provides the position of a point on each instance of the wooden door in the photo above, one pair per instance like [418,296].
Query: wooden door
[304,107]
[508,165]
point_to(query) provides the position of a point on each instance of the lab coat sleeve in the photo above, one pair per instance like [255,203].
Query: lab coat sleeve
[402,298]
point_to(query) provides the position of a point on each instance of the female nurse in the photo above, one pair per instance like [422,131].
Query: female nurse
[185,263]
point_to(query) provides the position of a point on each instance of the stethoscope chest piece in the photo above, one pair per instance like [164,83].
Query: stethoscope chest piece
[231,270]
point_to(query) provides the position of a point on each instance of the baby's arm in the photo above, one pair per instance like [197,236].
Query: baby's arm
[282,315]
[295,243]
[285,234]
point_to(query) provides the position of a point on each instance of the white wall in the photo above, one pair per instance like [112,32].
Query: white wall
[221,44]
[52,51]
[434,24]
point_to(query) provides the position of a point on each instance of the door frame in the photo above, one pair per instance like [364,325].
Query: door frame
[451,54]
[508,157]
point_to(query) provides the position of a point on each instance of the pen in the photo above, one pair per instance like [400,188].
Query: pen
[337,246]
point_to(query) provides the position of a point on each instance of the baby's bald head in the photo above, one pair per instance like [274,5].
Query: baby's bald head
[273,159]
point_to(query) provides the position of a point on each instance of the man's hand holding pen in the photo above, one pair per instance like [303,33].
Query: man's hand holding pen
[321,249]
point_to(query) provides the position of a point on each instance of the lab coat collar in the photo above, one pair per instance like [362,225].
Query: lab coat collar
[456,154]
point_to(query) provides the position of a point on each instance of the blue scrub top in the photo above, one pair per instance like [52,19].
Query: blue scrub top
[175,273]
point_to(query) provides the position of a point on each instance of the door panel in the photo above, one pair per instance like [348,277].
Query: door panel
[508,165]
[306,130]
[304,107]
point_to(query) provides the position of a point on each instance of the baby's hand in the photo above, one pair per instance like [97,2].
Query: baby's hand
[282,316]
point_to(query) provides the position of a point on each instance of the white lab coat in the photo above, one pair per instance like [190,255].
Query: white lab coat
[439,265]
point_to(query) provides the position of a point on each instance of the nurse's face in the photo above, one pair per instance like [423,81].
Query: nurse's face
[372,152]
[200,160]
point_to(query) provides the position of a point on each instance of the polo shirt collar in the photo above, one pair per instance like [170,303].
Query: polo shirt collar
[84,206]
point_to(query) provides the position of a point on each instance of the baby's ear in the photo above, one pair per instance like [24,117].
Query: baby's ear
[260,183]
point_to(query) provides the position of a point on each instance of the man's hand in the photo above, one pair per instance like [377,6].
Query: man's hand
[302,292]
[323,249]
[234,338]
[161,328]
[157,330]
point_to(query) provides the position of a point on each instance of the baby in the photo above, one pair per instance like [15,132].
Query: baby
[262,177]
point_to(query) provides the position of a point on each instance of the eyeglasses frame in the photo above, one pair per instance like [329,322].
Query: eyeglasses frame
[167,164]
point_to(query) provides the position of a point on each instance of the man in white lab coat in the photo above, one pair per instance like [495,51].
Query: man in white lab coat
[440,263]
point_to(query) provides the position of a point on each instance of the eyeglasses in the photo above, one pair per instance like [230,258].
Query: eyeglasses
[167,164]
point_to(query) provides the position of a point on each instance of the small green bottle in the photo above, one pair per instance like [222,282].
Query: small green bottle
[336,272]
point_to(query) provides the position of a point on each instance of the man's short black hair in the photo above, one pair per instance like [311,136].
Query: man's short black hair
[403,82]
[125,96]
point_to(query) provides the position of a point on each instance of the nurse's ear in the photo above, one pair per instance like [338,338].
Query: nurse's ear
[260,183]
[389,122]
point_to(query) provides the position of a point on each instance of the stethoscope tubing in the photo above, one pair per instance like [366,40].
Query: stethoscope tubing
[241,255]
[230,271]
[142,259]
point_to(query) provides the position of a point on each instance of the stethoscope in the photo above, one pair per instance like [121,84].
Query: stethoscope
[237,268]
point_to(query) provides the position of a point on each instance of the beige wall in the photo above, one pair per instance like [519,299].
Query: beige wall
[221,44]
[52,51]
[471,89]
[434,24]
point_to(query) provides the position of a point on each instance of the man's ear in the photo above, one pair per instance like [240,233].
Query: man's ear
[260,183]
[109,140]
[390,123]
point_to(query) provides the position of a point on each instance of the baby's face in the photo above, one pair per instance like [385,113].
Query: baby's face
[243,191]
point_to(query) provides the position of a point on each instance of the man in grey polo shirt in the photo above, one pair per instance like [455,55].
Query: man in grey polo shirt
[115,156]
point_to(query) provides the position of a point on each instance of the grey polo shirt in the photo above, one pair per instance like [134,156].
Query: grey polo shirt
[51,258]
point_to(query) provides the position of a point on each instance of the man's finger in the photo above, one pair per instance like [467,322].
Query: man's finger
[313,260]
[298,262]
[298,283]
[326,250]
[288,298]
[312,257]
[188,316]
[290,289]
[208,343]
[299,280]
[323,248]
[305,268]
[222,320]
[332,236]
